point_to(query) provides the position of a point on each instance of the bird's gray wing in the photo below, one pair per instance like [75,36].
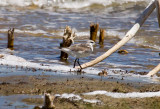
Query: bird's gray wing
[80,48]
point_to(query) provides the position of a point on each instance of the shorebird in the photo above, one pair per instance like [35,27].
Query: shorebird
[80,51]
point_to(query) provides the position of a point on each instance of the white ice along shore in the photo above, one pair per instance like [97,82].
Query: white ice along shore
[18,62]
[125,95]
[15,61]
[74,97]
[111,94]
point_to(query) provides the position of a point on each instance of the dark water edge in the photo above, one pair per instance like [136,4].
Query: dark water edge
[120,76]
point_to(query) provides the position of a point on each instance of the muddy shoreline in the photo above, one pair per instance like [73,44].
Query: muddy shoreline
[54,84]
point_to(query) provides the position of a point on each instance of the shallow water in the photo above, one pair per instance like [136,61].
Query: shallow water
[15,102]
[39,29]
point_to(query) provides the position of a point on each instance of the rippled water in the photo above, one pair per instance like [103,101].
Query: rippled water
[39,26]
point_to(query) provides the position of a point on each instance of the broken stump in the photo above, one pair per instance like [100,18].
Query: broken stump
[10,39]
[101,36]
[93,31]
[67,41]
[157,3]
[48,102]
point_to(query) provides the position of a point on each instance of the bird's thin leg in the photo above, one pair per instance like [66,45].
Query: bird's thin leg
[79,63]
[75,62]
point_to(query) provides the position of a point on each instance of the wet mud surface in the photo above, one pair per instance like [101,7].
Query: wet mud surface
[40,84]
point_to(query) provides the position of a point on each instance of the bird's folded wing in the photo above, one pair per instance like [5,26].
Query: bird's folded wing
[80,48]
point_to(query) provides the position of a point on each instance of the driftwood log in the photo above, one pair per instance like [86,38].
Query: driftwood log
[158,10]
[130,34]
[154,71]
[102,36]
[10,38]
[93,31]
[68,39]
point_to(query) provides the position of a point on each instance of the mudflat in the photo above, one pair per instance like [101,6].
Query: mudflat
[40,84]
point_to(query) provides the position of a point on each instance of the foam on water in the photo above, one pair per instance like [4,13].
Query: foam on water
[120,65]
[87,3]
[18,62]
[111,33]
[115,33]
[26,31]
[65,3]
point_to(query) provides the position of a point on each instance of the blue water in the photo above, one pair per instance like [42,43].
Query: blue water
[15,102]
[39,31]
[39,28]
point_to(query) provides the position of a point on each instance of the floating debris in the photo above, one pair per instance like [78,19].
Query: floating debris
[123,51]
[103,73]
